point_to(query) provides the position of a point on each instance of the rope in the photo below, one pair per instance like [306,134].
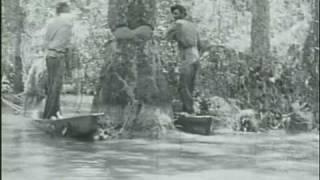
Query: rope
[79,103]
[132,108]
[79,91]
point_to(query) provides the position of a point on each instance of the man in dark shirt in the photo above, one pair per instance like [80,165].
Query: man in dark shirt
[187,37]
[57,42]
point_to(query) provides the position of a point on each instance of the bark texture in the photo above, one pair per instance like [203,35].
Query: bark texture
[311,61]
[19,20]
[132,90]
[260,29]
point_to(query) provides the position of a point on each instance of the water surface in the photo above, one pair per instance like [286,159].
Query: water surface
[28,153]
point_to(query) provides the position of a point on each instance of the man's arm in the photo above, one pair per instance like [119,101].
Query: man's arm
[62,38]
[202,45]
[67,36]
[172,32]
[47,37]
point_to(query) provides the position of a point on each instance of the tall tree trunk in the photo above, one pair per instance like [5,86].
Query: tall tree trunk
[311,45]
[260,51]
[3,40]
[7,27]
[132,90]
[18,82]
[311,60]
[260,28]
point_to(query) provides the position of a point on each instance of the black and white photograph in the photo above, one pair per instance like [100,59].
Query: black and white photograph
[159,89]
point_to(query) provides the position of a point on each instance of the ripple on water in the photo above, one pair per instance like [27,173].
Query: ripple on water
[31,154]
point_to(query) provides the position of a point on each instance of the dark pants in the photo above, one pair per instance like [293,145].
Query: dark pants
[186,85]
[55,68]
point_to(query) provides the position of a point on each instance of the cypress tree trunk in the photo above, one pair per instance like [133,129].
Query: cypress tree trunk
[132,90]
[311,61]
[18,67]
[260,28]
[260,51]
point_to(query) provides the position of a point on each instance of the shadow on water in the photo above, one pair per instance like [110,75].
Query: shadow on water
[28,153]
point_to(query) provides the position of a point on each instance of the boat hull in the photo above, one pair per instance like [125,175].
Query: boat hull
[197,124]
[77,126]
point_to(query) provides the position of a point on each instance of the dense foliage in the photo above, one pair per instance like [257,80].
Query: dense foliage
[228,70]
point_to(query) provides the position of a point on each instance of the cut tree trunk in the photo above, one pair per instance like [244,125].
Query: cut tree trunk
[132,91]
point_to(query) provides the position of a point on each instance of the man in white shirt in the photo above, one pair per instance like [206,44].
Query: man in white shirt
[57,43]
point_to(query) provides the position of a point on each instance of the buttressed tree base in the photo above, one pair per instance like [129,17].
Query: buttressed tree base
[132,91]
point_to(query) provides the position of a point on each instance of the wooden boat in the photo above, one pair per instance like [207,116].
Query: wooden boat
[82,126]
[199,124]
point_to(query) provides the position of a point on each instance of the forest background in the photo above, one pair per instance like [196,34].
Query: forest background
[266,72]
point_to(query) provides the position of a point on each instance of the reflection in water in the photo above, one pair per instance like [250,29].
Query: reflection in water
[28,153]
